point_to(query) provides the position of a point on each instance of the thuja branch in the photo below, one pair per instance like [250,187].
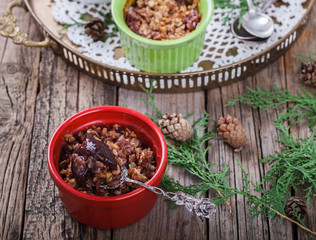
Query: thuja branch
[294,165]
[311,56]
[231,7]
[304,103]
[151,102]
[295,222]
[191,154]
[258,202]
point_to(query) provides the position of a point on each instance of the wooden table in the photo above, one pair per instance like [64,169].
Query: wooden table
[39,91]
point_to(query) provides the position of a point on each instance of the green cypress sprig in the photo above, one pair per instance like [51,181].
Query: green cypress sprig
[295,165]
[151,102]
[304,104]
[231,7]
[310,56]
[192,155]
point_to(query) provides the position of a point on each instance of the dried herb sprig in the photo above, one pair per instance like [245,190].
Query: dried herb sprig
[305,103]
[68,25]
[107,19]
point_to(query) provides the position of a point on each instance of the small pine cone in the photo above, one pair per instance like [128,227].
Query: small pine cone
[94,28]
[232,132]
[308,74]
[175,127]
[298,204]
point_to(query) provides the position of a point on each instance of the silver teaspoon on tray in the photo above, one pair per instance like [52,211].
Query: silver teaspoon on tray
[255,26]
[202,207]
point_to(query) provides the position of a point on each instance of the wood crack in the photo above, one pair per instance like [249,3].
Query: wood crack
[8,93]
[10,189]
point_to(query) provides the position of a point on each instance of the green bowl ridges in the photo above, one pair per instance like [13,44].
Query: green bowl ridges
[168,56]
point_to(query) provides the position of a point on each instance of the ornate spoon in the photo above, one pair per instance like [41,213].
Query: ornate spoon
[201,207]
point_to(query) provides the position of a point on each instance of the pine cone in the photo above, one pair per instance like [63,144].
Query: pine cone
[94,28]
[296,203]
[308,74]
[232,132]
[175,127]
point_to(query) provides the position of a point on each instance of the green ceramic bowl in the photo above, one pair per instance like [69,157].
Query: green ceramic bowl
[169,56]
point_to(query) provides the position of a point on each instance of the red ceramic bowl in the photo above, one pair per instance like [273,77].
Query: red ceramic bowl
[117,211]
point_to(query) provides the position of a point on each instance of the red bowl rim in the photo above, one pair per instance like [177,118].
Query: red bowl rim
[58,179]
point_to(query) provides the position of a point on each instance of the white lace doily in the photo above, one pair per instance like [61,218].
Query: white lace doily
[220,43]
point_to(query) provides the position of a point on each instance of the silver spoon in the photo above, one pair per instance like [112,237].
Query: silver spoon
[241,33]
[256,23]
[201,207]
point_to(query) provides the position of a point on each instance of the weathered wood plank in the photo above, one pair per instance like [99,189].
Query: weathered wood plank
[239,223]
[272,75]
[61,95]
[43,210]
[159,223]
[223,225]
[304,44]
[25,129]
[18,72]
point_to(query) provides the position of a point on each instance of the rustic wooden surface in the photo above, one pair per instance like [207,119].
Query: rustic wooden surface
[38,91]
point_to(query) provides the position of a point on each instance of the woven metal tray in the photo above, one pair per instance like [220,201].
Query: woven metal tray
[180,82]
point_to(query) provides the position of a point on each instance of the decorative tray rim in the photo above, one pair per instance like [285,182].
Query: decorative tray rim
[193,74]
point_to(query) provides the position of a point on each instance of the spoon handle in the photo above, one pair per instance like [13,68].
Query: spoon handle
[251,7]
[201,207]
[266,4]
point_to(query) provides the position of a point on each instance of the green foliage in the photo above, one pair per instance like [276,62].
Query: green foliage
[174,186]
[307,57]
[107,18]
[108,21]
[192,155]
[294,166]
[75,23]
[304,104]
[151,102]
[231,7]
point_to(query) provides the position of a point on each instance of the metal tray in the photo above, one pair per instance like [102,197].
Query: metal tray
[179,82]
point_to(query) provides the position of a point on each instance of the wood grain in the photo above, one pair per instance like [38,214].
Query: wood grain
[267,136]
[239,223]
[38,91]
[292,70]
[161,223]
[19,76]
[59,97]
